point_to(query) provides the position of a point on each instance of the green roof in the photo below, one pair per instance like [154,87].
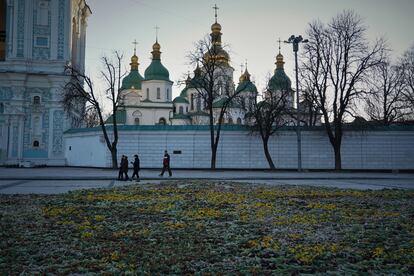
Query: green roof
[156,71]
[180,99]
[280,81]
[246,86]
[220,103]
[180,116]
[197,113]
[184,92]
[120,118]
[133,80]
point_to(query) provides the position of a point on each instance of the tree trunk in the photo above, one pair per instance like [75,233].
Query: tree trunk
[337,151]
[114,158]
[267,154]
[213,156]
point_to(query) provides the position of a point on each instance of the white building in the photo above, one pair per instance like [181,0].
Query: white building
[146,100]
[38,38]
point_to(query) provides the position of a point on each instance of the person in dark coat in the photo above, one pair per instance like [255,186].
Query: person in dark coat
[166,164]
[125,168]
[136,167]
[121,172]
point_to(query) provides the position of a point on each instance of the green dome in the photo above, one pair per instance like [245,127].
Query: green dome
[133,80]
[157,71]
[246,86]
[180,99]
[184,92]
[280,81]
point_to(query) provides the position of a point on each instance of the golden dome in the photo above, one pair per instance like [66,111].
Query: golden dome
[134,59]
[216,28]
[279,61]
[245,76]
[156,46]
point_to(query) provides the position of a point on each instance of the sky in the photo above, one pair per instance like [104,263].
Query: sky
[250,28]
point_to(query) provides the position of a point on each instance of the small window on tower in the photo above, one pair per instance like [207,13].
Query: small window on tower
[158,93]
[1,108]
[136,121]
[147,93]
[168,94]
[36,100]
[35,144]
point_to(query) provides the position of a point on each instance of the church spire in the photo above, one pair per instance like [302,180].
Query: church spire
[156,53]
[134,59]
[279,58]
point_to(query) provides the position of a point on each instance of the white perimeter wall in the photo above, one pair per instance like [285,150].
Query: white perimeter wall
[239,149]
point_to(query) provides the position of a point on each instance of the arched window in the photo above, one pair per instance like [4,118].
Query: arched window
[239,121]
[35,144]
[36,100]
[174,109]
[158,93]
[230,120]
[136,121]
[162,121]
[198,104]
[186,109]
[192,102]
[147,93]
[1,108]
[167,94]
[181,110]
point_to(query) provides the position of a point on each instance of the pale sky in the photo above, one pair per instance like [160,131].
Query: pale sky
[250,28]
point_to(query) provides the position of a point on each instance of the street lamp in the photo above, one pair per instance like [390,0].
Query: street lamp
[295,40]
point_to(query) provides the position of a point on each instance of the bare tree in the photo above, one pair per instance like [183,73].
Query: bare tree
[337,60]
[407,67]
[384,100]
[80,89]
[268,116]
[213,83]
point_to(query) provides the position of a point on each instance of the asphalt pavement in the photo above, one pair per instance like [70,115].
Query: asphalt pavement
[53,180]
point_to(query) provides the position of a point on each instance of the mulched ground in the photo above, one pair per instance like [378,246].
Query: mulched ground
[188,227]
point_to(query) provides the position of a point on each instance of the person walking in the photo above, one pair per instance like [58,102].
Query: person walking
[166,164]
[121,172]
[136,167]
[125,168]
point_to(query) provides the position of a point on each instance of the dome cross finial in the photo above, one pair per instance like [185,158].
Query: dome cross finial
[215,11]
[135,46]
[279,41]
[156,32]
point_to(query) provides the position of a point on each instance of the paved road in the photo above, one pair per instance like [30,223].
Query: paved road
[60,180]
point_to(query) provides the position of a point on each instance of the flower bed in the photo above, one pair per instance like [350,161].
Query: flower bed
[208,227]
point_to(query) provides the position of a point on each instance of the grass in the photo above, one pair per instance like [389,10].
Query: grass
[209,228]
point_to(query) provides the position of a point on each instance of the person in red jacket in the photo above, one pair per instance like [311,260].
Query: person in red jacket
[166,164]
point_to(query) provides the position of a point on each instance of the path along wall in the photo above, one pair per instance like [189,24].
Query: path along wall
[189,147]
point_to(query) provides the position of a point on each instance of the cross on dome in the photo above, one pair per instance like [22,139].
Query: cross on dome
[279,41]
[135,46]
[156,32]
[215,11]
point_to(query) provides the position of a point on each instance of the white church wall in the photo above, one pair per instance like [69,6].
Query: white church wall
[190,148]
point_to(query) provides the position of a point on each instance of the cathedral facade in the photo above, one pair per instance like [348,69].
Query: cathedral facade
[147,100]
[38,38]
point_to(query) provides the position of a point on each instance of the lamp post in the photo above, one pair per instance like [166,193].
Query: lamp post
[295,40]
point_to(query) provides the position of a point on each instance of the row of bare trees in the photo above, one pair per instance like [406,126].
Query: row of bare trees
[340,69]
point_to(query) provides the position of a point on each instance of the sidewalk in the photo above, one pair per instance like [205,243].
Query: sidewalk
[70,173]
[56,180]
